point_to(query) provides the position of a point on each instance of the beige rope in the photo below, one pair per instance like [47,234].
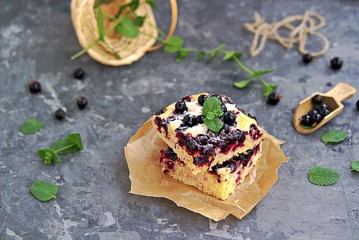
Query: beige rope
[310,22]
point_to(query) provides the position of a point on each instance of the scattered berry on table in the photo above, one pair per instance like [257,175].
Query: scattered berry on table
[336,63]
[79,73]
[60,114]
[273,98]
[307,58]
[357,104]
[82,102]
[34,86]
[306,120]
[317,99]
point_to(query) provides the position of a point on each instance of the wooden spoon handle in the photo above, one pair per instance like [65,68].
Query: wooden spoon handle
[341,92]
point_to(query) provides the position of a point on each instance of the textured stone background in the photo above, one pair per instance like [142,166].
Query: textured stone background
[36,42]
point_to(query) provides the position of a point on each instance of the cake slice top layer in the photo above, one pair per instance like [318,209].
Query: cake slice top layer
[181,125]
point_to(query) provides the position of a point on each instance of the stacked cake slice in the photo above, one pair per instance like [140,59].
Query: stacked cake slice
[214,158]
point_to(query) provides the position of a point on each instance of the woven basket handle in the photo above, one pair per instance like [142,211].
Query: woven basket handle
[174,12]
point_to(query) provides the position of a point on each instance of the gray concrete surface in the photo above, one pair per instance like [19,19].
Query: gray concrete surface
[36,42]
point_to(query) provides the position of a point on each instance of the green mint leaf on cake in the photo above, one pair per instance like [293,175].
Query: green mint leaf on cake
[211,111]
[174,44]
[323,176]
[333,136]
[127,28]
[43,191]
[355,166]
[31,126]
[72,143]
[214,125]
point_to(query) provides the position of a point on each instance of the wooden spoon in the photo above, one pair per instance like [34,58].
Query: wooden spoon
[332,98]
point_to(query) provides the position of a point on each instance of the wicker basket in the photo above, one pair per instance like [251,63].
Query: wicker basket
[85,23]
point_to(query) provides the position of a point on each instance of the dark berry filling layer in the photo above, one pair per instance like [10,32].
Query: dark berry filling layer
[168,158]
[240,161]
[206,146]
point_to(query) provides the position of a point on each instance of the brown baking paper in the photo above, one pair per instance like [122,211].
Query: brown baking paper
[143,153]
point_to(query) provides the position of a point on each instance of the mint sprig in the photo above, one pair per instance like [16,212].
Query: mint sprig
[212,111]
[43,191]
[72,143]
[323,176]
[30,126]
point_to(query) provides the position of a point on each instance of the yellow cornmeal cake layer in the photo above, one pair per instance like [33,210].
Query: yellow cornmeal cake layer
[186,141]
[220,182]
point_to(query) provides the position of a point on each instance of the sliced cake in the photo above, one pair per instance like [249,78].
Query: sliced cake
[208,135]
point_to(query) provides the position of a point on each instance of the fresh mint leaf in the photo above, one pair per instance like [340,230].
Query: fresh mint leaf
[30,126]
[333,136]
[49,156]
[43,191]
[210,105]
[201,55]
[214,52]
[323,176]
[101,26]
[262,72]
[139,20]
[173,44]
[211,111]
[152,3]
[218,112]
[134,4]
[127,28]
[72,143]
[210,116]
[355,166]
[243,83]
[215,125]
[269,88]
[231,55]
[183,53]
